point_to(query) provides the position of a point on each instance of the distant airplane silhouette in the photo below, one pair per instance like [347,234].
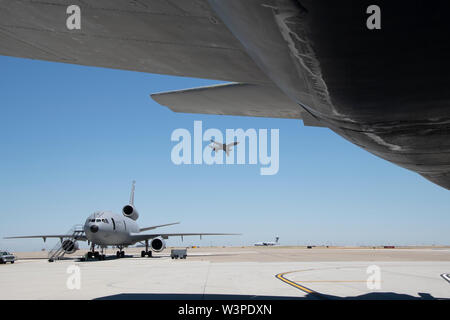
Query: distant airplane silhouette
[268,243]
[222,146]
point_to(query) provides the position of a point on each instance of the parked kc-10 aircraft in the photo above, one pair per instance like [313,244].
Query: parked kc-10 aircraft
[105,229]
[375,74]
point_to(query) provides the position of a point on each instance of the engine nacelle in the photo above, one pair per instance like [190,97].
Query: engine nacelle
[70,246]
[130,212]
[158,244]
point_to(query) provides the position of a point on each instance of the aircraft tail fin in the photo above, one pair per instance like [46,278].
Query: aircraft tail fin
[276,239]
[132,193]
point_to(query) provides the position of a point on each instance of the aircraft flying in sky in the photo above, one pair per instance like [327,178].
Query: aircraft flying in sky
[223,146]
[350,66]
[104,228]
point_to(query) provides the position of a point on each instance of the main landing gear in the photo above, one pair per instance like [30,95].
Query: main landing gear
[146,252]
[120,253]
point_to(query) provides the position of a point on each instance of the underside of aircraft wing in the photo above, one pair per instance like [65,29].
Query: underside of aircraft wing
[143,237]
[183,38]
[236,99]
[378,87]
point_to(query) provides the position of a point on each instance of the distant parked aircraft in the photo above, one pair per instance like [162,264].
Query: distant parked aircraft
[268,243]
[222,146]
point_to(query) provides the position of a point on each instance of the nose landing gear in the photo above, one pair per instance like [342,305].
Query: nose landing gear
[95,254]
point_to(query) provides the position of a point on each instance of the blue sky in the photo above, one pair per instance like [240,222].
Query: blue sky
[72,138]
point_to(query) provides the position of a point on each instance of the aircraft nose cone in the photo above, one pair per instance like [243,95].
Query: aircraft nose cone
[94,228]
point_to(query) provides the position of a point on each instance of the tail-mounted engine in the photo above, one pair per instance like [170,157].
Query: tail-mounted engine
[158,244]
[69,246]
[130,212]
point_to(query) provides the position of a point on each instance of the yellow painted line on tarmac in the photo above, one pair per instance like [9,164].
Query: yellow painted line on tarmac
[336,281]
[281,277]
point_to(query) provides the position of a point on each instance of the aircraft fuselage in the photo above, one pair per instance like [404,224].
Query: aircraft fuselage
[107,229]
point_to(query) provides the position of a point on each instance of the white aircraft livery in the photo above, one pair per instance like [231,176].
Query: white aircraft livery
[270,243]
[104,228]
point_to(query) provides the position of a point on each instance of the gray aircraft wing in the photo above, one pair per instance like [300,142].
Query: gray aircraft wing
[182,38]
[154,227]
[219,145]
[236,99]
[143,237]
[45,236]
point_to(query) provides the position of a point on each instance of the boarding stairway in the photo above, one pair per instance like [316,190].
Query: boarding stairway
[59,251]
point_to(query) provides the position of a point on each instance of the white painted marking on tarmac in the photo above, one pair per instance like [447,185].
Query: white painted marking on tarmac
[446,277]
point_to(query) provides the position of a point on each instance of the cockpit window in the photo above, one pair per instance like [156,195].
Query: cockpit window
[98,220]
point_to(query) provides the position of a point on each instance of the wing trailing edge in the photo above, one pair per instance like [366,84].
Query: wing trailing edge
[159,226]
[235,99]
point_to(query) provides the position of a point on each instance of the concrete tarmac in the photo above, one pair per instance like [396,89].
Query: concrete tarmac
[236,273]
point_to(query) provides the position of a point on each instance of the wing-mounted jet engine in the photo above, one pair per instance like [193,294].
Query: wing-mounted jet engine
[158,244]
[70,246]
